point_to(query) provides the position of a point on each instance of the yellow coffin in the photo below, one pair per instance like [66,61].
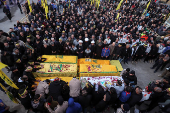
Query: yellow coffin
[97,70]
[117,64]
[60,59]
[57,70]
[93,61]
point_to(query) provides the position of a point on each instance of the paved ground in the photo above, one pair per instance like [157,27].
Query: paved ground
[143,71]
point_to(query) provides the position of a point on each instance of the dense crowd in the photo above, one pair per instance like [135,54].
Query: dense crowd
[88,32]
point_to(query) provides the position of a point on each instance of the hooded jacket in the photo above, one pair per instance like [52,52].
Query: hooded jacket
[55,89]
[73,107]
[42,88]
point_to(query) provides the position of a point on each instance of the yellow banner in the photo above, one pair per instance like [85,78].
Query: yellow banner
[117,64]
[60,59]
[7,80]
[120,3]
[146,7]
[29,5]
[69,4]
[117,17]
[54,70]
[2,65]
[97,70]
[9,94]
[93,61]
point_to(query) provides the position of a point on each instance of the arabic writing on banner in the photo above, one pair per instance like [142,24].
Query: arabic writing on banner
[9,94]
[7,80]
[102,79]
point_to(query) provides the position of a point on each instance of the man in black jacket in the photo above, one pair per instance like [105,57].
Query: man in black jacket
[136,96]
[131,77]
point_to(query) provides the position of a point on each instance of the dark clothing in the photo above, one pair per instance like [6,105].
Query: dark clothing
[101,106]
[130,78]
[26,102]
[46,51]
[57,85]
[134,99]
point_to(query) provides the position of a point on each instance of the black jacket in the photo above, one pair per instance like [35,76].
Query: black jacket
[135,98]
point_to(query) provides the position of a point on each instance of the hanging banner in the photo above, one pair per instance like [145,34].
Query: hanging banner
[29,5]
[120,3]
[9,94]
[2,65]
[146,7]
[7,80]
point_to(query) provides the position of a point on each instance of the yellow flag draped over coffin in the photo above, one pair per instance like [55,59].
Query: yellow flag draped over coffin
[54,70]
[97,70]
[60,59]
[117,64]
[7,80]
[9,94]
[93,61]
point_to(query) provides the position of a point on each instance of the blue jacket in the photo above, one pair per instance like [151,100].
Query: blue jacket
[73,107]
[124,97]
[2,108]
[166,49]
[105,52]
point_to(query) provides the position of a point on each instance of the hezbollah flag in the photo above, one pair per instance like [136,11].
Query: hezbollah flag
[146,7]
[29,5]
[118,7]
[9,94]
[46,9]
[5,77]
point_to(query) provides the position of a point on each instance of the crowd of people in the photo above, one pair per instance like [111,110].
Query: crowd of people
[88,32]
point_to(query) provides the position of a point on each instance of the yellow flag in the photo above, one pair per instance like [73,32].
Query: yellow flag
[9,94]
[2,65]
[7,80]
[118,7]
[146,7]
[46,12]
[69,3]
[42,3]
[91,2]
[117,17]
[29,6]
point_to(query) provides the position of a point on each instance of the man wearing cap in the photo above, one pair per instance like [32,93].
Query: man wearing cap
[86,43]
[92,48]
[80,49]
[63,37]
[25,98]
[46,40]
